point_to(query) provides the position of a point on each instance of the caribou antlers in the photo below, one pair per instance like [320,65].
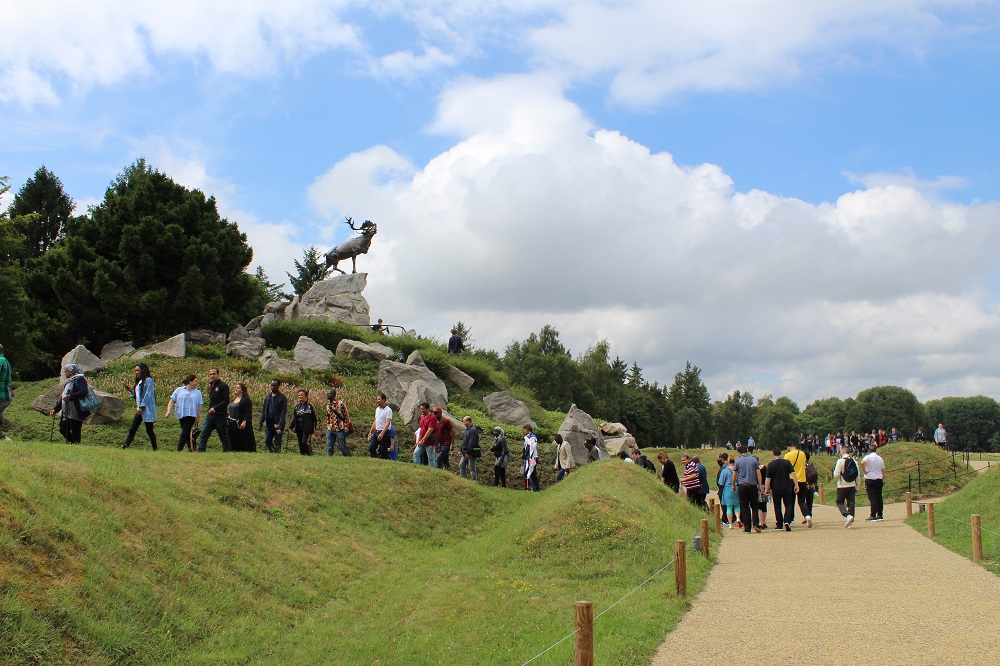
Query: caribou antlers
[365,226]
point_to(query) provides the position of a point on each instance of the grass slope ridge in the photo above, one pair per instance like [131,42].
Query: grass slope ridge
[219,559]
[952,517]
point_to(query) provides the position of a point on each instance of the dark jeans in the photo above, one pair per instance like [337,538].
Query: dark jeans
[748,505]
[341,439]
[219,423]
[272,438]
[305,448]
[136,421]
[442,459]
[845,496]
[499,476]
[787,498]
[531,482]
[563,473]
[379,449]
[873,487]
[187,423]
[805,499]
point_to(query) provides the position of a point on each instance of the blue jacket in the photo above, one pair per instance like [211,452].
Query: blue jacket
[145,399]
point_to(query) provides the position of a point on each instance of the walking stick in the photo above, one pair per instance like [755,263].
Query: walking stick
[52,429]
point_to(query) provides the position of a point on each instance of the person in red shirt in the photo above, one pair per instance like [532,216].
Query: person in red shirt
[426,449]
[446,438]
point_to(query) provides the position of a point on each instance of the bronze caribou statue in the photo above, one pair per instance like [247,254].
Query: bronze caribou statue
[352,247]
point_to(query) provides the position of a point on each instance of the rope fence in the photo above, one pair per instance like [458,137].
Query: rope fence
[975,523]
[585,629]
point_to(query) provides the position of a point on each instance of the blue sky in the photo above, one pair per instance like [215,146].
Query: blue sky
[800,198]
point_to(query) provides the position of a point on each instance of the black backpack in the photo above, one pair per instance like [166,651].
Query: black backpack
[812,476]
[850,472]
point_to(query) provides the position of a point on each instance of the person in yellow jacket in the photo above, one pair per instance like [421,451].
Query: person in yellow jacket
[804,497]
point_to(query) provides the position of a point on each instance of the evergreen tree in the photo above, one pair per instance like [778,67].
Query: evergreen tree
[691,407]
[542,364]
[307,272]
[40,211]
[272,290]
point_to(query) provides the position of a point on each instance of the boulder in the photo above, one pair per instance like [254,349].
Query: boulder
[246,348]
[415,359]
[206,337]
[338,298]
[613,430]
[83,358]
[577,428]
[174,347]
[312,355]
[111,410]
[505,408]
[276,308]
[115,350]
[357,348]
[239,333]
[417,392]
[395,378]
[278,366]
[462,380]
[259,322]
[385,351]
[626,443]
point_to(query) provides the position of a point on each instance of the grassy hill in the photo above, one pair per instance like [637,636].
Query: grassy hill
[952,517]
[156,557]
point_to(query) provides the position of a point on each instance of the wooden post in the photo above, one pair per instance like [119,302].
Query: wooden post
[704,537]
[680,568]
[930,520]
[909,504]
[717,518]
[583,622]
[977,539]
[822,494]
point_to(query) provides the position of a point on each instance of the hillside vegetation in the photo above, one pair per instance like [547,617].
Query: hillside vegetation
[953,515]
[153,557]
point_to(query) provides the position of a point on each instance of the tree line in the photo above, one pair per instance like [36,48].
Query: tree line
[154,258]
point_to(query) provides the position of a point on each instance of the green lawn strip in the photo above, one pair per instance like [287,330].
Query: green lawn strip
[952,518]
[108,557]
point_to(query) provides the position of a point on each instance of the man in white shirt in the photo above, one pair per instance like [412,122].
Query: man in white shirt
[940,436]
[378,434]
[873,467]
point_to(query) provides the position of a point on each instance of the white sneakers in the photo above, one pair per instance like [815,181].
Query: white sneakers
[809,521]
[848,521]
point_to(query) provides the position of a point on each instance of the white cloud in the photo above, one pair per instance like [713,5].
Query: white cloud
[534,216]
[908,178]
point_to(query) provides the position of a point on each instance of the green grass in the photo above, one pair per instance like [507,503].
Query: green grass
[953,515]
[140,557]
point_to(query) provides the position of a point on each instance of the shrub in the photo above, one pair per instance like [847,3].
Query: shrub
[283,334]
[210,352]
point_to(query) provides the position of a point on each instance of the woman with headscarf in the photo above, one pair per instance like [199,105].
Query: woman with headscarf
[72,415]
[241,420]
[145,405]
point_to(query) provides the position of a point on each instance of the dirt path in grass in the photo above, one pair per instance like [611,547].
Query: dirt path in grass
[878,593]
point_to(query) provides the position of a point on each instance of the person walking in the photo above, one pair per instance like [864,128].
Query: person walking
[728,497]
[218,413]
[529,458]
[6,390]
[145,405]
[427,436]
[798,458]
[72,414]
[564,458]
[941,436]
[240,421]
[691,480]
[502,453]
[187,399]
[337,418]
[748,486]
[873,468]
[470,450]
[846,475]
[304,422]
[455,344]
[782,486]
[446,439]
[668,472]
[378,434]
[273,414]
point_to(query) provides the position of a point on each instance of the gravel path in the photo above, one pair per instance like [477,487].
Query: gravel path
[878,593]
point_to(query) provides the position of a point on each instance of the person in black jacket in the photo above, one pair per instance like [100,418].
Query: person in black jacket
[241,421]
[73,416]
[273,414]
[218,409]
[304,422]
[470,451]
[668,473]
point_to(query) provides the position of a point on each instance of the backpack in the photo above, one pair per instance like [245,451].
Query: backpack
[812,476]
[850,472]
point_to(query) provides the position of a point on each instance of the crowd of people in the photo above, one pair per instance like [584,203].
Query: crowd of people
[858,442]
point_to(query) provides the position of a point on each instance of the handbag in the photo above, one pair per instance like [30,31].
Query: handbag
[90,402]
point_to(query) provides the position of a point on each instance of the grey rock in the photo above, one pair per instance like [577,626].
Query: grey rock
[415,359]
[83,358]
[312,355]
[278,366]
[462,380]
[115,350]
[359,349]
[259,322]
[577,428]
[239,333]
[251,347]
[206,337]
[613,430]
[174,347]
[417,392]
[253,324]
[277,308]
[385,351]
[505,408]
[624,443]
[395,378]
[338,298]
[111,410]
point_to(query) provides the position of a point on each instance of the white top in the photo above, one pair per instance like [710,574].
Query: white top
[382,417]
[874,466]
